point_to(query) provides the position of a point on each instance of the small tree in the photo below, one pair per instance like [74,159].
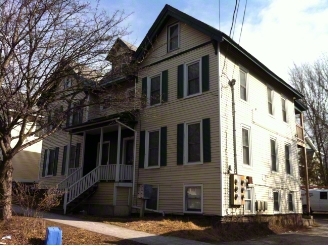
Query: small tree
[42,43]
[312,81]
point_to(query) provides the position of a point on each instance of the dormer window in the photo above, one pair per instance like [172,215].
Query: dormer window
[67,83]
[173,37]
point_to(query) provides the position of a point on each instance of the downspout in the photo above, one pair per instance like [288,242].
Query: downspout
[232,83]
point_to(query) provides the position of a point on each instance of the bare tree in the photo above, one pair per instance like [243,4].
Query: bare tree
[312,81]
[42,43]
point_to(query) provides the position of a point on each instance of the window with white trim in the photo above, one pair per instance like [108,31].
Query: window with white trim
[273,149]
[270,100]
[173,38]
[67,83]
[154,90]
[243,84]
[287,159]
[193,198]
[193,78]
[50,162]
[248,200]
[284,111]
[152,149]
[246,149]
[276,201]
[194,143]
[290,202]
[152,203]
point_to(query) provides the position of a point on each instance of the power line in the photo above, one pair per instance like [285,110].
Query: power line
[242,24]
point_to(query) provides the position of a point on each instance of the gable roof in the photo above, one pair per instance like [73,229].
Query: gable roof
[122,43]
[213,33]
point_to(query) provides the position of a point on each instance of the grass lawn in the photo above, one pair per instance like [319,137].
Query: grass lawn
[28,230]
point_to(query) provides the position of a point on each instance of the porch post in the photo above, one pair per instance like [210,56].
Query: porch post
[117,176]
[101,145]
[134,164]
[83,147]
[68,154]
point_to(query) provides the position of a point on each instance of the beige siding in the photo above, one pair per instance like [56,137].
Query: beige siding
[122,198]
[254,115]
[189,38]
[103,195]
[173,177]
[58,139]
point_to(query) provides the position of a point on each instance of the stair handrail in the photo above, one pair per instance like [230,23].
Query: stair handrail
[66,182]
[81,186]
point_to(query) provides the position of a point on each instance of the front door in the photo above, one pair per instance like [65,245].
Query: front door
[105,153]
[128,152]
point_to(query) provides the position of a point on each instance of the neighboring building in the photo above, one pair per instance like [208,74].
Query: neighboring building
[26,162]
[181,143]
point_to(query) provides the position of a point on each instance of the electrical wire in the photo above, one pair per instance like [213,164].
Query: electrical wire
[242,24]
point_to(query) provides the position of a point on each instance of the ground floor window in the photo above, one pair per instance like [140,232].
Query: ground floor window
[50,162]
[290,202]
[276,205]
[152,203]
[248,201]
[193,198]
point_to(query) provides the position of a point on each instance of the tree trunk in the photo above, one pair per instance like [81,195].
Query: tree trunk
[6,172]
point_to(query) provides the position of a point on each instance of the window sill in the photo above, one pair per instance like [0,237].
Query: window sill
[193,163]
[170,51]
[193,95]
[155,105]
[247,166]
[193,212]
[155,167]
[48,176]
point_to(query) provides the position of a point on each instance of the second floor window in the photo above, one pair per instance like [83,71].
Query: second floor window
[67,83]
[243,85]
[194,143]
[284,111]
[287,160]
[193,78]
[273,155]
[173,37]
[245,137]
[155,90]
[77,116]
[270,106]
[153,149]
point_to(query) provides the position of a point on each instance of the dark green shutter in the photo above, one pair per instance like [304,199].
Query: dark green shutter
[205,73]
[207,140]
[180,81]
[180,144]
[64,161]
[56,161]
[77,154]
[144,86]
[164,85]
[163,145]
[142,149]
[68,115]
[45,155]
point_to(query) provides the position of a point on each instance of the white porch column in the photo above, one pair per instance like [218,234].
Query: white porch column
[68,156]
[101,145]
[134,164]
[117,176]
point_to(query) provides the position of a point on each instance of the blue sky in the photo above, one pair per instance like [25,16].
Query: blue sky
[277,32]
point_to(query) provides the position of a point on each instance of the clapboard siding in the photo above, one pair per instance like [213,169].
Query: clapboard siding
[254,115]
[103,195]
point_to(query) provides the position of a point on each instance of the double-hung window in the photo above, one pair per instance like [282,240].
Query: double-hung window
[243,84]
[246,149]
[276,205]
[248,200]
[67,83]
[273,155]
[50,162]
[193,198]
[290,202]
[193,81]
[155,90]
[153,149]
[284,111]
[194,143]
[287,158]
[270,105]
[173,37]
[77,116]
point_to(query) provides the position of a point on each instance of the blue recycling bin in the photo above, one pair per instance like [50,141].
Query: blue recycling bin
[54,236]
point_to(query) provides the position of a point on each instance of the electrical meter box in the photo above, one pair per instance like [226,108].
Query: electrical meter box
[145,191]
[237,189]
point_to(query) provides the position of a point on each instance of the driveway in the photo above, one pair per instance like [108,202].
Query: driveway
[315,235]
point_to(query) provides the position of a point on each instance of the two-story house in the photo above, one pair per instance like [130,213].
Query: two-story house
[192,136]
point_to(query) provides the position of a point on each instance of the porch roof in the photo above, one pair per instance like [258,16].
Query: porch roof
[127,118]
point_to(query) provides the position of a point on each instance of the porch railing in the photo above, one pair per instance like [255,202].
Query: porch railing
[74,175]
[299,132]
[126,172]
[107,172]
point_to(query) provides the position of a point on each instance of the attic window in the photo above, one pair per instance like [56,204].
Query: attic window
[173,37]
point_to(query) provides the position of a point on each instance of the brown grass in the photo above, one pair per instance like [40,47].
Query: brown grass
[205,229]
[28,230]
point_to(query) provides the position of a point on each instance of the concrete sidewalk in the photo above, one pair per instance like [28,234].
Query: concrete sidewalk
[115,231]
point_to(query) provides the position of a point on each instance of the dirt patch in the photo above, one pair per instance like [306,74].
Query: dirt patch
[205,229]
[28,230]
